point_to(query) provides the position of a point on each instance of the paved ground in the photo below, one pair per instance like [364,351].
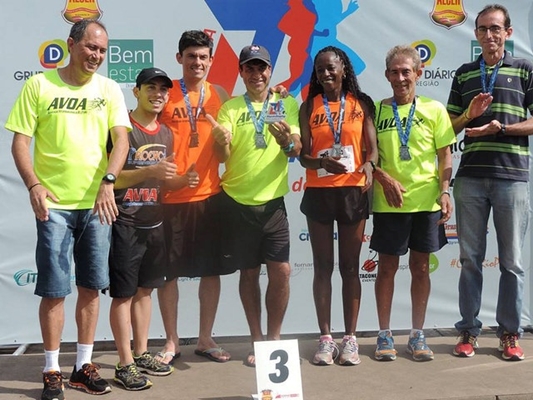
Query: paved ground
[484,377]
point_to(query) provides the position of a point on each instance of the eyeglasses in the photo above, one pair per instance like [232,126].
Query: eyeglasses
[494,29]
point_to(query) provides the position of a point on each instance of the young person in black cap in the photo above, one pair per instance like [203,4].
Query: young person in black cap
[138,251]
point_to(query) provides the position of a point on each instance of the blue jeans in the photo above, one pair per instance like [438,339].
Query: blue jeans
[509,201]
[68,235]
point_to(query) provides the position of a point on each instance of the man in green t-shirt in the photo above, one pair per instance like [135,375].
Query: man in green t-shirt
[411,199]
[255,135]
[69,113]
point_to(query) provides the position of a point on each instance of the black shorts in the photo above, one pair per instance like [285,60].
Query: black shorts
[346,205]
[254,234]
[394,233]
[192,232]
[136,259]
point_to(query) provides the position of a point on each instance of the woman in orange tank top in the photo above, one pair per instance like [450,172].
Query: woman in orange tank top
[339,152]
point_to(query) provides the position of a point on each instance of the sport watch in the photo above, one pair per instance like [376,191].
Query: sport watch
[109,177]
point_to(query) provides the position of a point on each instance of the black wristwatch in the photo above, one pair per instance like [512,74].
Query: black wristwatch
[109,177]
[502,130]
[373,165]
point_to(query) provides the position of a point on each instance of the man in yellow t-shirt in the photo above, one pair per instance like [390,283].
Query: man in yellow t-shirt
[69,113]
[411,198]
[255,147]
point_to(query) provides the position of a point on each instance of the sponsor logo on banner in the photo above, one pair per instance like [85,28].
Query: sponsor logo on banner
[433,263]
[371,262]
[25,277]
[298,267]
[368,271]
[299,184]
[448,13]
[457,149]
[81,9]
[126,58]
[427,51]
[267,394]
[187,279]
[368,276]
[435,75]
[304,235]
[24,75]
[487,263]
[475,48]
[451,233]
[308,26]
[53,53]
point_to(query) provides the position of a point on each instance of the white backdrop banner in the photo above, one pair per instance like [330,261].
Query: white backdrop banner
[33,36]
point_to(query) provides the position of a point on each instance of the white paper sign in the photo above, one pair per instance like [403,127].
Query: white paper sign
[277,370]
[347,158]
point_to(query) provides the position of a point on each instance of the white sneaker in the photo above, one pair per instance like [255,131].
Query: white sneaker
[349,353]
[327,351]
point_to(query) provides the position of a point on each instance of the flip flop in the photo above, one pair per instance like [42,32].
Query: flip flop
[168,354]
[247,362]
[209,354]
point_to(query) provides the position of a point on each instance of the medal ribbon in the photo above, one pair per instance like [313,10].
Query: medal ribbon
[192,118]
[493,76]
[258,123]
[336,133]
[404,135]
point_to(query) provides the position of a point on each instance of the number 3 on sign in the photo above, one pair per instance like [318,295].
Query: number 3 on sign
[277,369]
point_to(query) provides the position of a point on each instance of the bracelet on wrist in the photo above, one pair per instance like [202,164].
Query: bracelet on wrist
[465,114]
[32,186]
[287,149]
[444,192]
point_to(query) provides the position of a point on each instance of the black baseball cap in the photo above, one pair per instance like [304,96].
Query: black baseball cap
[148,74]
[254,52]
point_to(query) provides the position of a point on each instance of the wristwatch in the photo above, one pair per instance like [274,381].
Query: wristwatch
[502,130]
[373,165]
[109,177]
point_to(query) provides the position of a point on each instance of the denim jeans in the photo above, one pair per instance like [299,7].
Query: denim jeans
[68,235]
[509,201]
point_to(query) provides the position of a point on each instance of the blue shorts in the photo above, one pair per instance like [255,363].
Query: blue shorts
[71,235]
